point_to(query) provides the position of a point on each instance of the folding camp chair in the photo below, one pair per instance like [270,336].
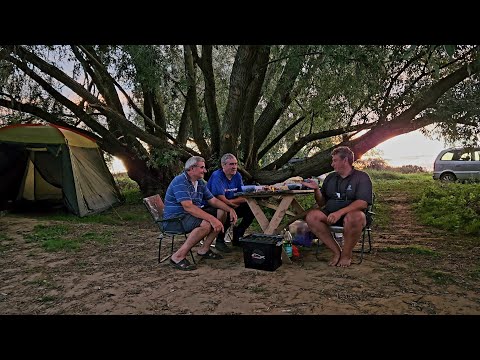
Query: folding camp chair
[337,232]
[155,206]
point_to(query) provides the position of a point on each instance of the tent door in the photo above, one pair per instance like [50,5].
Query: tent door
[34,186]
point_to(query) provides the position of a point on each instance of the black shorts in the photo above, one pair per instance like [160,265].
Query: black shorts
[339,222]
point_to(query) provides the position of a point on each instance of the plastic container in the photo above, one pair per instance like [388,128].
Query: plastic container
[262,252]
[248,188]
[301,233]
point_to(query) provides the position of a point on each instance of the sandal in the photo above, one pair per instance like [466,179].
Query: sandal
[183,265]
[210,255]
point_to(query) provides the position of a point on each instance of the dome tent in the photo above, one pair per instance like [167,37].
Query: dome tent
[49,162]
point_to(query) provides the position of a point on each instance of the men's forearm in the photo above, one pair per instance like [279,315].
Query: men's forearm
[230,202]
[319,198]
[199,213]
[219,204]
[238,201]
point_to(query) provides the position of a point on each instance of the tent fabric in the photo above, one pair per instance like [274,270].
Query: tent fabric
[90,168]
[39,162]
[41,134]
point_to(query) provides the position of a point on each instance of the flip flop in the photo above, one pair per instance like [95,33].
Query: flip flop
[210,255]
[183,265]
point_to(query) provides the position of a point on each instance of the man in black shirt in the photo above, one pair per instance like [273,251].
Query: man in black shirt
[343,199]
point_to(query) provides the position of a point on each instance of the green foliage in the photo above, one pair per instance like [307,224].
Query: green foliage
[129,189]
[448,206]
[163,158]
[451,206]
[450,49]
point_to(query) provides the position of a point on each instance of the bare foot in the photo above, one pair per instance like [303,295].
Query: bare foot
[334,260]
[344,262]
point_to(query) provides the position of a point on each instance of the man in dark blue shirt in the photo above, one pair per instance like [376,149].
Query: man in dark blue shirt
[223,184]
[184,198]
[346,194]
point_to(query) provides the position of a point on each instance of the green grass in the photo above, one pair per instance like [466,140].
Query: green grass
[439,277]
[4,246]
[448,206]
[4,237]
[258,289]
[411,250]
[62,237]
[475,273]
[47,298]
[451,206]
[101,238]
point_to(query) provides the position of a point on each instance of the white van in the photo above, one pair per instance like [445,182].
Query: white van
[457,164]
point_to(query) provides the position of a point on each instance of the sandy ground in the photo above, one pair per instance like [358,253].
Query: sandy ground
[123,277]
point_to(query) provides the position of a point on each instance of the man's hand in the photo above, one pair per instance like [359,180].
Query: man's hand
[217,225]
[310,184]
[333,217]
[233,216]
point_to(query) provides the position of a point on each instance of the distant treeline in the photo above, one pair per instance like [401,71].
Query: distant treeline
[381,164]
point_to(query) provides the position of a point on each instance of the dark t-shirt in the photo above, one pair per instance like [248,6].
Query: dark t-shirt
[339,192]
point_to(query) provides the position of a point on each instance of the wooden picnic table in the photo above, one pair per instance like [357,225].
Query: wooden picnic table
[284,202]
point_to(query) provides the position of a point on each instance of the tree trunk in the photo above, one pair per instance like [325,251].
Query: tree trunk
[151,181]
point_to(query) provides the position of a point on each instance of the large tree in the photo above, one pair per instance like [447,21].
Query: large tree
[155,106]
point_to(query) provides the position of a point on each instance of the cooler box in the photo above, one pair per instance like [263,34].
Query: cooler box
[263,252]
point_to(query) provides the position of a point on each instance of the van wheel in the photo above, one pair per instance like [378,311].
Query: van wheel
[448,177]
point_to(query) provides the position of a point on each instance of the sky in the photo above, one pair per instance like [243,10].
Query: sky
[407,149]
[411,149]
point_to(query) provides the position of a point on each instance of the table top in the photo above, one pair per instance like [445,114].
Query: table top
[274,193]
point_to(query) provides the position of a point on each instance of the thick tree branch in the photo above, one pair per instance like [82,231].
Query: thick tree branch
[279,137]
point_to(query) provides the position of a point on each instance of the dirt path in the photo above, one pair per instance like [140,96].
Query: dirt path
[412,270]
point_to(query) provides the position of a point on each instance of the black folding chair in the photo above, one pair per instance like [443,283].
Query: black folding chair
[155,207]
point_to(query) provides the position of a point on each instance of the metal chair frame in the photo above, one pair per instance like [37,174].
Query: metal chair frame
[155,207]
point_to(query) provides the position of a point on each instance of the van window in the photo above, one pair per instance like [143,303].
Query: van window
[465,156]
[476,155]
[447,156]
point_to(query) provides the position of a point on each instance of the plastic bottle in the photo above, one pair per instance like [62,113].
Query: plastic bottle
[287,243]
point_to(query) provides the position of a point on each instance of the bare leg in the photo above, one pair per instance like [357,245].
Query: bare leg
[208,241]
[222,216]
[352,230]
[317,222]
[195,236]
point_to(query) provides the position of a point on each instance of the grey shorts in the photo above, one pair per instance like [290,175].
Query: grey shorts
[188,222]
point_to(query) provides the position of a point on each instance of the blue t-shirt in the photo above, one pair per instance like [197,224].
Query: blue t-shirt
[181,189]
[219,184]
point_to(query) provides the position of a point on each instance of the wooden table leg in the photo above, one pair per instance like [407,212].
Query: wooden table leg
[270,227]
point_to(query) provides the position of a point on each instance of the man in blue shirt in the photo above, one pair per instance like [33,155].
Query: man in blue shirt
[223,184]
[346,194]
[184,198]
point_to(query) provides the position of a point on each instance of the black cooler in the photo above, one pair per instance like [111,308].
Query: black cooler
[263,252]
